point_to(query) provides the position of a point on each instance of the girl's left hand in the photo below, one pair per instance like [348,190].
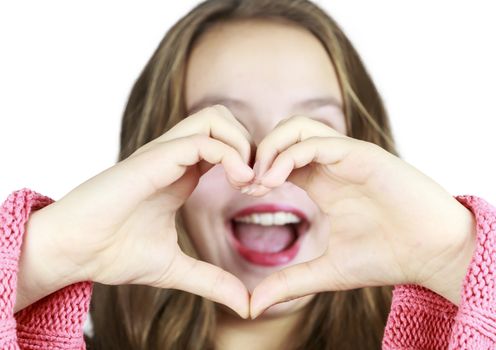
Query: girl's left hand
[391,224]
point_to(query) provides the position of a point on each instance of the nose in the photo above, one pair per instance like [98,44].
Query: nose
[261,125]
[259,128]
[258,131]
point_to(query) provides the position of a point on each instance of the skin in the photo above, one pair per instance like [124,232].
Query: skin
[375,219]
[250,61]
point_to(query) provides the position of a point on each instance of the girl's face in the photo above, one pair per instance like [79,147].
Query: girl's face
[263,71]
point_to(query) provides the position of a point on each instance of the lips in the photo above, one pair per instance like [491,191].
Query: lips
[268,257]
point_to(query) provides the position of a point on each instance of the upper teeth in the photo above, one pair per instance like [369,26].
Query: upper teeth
[267,219]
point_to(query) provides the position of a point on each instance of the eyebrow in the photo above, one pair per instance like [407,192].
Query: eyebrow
[227,101]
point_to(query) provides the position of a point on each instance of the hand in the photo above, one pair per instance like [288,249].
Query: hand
[391,224]
[119,226]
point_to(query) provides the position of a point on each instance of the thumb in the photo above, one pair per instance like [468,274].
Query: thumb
[290,283]
[211,282]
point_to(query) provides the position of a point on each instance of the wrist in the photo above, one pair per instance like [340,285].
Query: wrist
[448,282]
[42,270]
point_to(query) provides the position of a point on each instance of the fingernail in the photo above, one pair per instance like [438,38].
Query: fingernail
[248,189]
[245,189]
[252,189]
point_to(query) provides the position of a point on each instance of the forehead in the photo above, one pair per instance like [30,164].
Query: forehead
[260,60]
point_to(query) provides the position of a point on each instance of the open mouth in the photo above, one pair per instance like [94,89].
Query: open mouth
[268,235]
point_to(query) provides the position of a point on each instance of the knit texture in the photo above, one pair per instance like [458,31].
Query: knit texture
[419,318]
[54,322]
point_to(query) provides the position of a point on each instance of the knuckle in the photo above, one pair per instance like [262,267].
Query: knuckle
[221,110]
[297,119]
[368,146]
[195,141]
[199,139]
[207,113]
[217,114]
[314,139]
[283,121]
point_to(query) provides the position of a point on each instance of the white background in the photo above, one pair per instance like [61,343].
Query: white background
[66,70]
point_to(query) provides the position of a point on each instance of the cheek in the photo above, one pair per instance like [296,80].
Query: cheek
[212,185]
[203,210]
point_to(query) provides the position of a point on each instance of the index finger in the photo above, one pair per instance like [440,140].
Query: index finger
[215,121]
[287,133]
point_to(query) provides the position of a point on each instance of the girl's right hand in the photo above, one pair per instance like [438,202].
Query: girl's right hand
[118,227]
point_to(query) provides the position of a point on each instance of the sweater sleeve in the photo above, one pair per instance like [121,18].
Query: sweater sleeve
[57,320]
[422,319]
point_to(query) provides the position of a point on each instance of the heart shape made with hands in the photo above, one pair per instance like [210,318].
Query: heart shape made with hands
[391,223]
[294,151]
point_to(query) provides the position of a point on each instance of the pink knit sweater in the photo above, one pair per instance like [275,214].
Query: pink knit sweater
[419,318]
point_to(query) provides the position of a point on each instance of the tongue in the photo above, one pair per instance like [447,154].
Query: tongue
[265,239]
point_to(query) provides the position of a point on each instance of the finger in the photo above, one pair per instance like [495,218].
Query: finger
[211,282]
[290,283]
[255,190]
[161,165]
[291,131]
[355,261]
[323,150]
[204,166]
[351,262]
[217,122]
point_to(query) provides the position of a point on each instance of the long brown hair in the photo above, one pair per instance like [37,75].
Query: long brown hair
[142,317]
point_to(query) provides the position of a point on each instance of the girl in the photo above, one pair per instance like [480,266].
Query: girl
[258,202]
